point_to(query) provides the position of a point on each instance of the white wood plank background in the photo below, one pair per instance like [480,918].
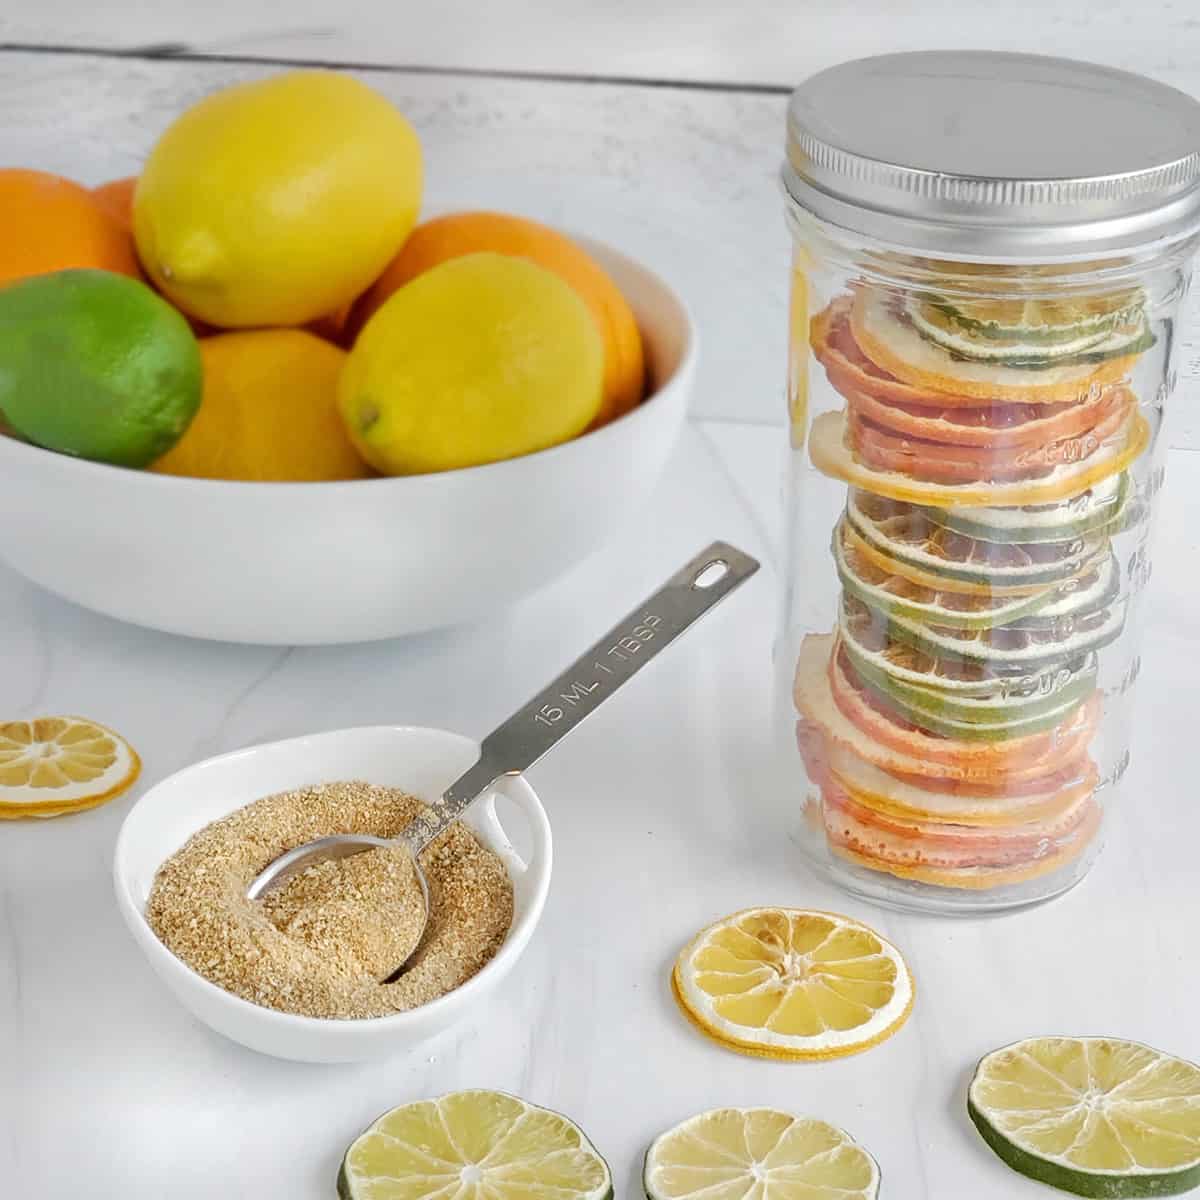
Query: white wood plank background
[683,178]
[752,41]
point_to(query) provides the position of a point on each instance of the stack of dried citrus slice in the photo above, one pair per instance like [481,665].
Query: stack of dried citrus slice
[945,724]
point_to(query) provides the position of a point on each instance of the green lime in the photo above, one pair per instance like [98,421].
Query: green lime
[473,1145]
[1092,1116]
[96,365]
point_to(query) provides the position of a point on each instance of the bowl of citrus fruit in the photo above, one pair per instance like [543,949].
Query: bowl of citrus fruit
[254,394]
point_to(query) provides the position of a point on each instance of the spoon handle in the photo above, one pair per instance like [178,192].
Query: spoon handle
[521,740]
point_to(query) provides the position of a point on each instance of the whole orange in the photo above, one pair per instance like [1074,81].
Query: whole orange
[269,412]
[116,198]
[457,234]
[48,223]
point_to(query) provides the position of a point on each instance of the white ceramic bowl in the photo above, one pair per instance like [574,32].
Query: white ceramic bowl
[310,564]
[421,761]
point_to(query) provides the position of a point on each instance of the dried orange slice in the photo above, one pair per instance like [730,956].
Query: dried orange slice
[900,350]
[55,765]
[793,983]
[831,454]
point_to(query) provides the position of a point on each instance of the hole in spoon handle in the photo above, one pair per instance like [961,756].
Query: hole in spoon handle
[517,744]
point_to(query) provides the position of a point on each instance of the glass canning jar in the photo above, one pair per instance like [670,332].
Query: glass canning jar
[990,252]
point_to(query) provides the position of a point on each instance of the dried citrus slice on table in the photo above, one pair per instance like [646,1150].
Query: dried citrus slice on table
[473,1145]
[793,983]
[55,765]
[758,1154]
[1093,1116]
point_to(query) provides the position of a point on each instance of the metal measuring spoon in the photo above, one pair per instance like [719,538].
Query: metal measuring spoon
[521,740]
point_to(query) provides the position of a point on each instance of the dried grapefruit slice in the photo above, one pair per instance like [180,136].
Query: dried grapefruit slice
[895,345]
[884,449]
[793,983]
[55,765]
[850,370]
[996,427]
[982,878]
[911,842]
[1010,803]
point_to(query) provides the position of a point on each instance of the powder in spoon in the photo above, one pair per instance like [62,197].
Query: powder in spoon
[320,944]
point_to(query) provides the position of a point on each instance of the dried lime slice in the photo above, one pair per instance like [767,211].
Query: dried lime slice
[1029,332]
[473,1145]
[758,1154]
[864,576]
[1018,647]
[1007,701]
[866,635]
[1105,507]
[1093,1116]
[871,578]
[907,535]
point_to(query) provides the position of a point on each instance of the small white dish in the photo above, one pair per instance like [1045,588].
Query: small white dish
[421,761]
[324,563]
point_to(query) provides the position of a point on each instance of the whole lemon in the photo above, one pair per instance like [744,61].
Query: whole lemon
[94,364]
[269,412]
[278,201]
[482,358]
[455,234]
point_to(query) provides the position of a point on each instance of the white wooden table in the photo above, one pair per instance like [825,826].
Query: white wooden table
[663,804]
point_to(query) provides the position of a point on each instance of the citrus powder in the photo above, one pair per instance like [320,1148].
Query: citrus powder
[320,944]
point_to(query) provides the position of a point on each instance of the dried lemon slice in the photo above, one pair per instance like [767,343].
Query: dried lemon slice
[762,1153]
[55,765]
[793,983]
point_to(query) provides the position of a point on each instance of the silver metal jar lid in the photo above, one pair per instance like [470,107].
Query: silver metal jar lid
[993,155]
